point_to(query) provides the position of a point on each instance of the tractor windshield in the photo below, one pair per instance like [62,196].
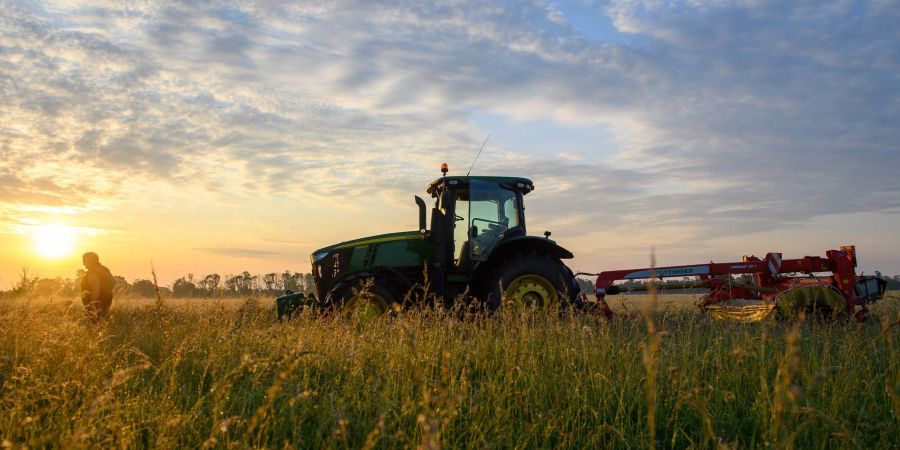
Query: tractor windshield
[492,211]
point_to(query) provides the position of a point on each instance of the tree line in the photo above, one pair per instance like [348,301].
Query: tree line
[235,285]
[212,285]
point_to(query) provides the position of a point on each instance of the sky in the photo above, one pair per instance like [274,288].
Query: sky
[205,137]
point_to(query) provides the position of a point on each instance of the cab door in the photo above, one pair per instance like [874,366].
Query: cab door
[493,212]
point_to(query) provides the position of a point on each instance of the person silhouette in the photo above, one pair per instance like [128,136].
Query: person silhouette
[96,287]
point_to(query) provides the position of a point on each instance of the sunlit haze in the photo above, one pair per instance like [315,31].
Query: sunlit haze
[53,241]
[222,137]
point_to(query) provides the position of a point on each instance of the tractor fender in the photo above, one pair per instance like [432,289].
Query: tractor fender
[517,245]
[539,245]
[394,277]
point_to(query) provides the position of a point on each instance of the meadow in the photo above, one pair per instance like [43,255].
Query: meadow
[226,374]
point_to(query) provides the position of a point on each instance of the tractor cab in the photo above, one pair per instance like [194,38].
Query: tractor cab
[472,215]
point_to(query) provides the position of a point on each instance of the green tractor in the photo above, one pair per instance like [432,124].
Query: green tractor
[476,249]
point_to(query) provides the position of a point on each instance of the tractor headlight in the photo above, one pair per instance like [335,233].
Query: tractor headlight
[319,256]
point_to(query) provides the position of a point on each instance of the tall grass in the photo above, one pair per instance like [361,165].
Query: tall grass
[226,374]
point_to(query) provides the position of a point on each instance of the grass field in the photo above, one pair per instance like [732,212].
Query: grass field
[224,374]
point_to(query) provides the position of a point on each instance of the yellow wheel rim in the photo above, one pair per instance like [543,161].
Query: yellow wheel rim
[365,308]
[531,290]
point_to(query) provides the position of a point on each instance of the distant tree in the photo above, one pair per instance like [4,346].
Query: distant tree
[210,284]
[287,282]
[143,288]
[25,284]
[270,280]
[184,287]
[309,285]
[70,287]
[47,287]
[120,288]
[233,284]
[245,283]
[893,282]
[587,286]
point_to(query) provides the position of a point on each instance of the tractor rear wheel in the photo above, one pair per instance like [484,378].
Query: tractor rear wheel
[530,280]
[363,299]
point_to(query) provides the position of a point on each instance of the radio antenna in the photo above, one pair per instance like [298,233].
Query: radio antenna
[479,154]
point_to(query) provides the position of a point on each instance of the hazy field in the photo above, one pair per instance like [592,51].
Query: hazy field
[225,374]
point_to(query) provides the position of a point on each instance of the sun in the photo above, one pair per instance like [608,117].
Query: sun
[54,241]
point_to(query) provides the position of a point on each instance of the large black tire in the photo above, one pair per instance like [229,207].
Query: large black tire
[352,299]
[531,280]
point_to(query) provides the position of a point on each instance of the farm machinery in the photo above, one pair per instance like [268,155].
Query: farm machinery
[757,288]
[476,249]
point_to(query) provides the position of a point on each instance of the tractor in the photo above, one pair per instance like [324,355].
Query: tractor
[475,249]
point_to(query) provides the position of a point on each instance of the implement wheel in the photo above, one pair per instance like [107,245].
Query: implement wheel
[818,301]
[363,299]
[530,280]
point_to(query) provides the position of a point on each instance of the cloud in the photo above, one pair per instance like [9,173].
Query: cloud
[724,117]
[43,190]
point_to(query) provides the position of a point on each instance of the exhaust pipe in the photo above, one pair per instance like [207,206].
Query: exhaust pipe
[421,204]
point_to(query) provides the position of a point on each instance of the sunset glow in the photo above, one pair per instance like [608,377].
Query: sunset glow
[54,241]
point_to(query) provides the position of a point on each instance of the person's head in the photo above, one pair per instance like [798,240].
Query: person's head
[90,259]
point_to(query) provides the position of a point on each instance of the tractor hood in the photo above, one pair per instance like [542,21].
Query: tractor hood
[396,252]
[376,239]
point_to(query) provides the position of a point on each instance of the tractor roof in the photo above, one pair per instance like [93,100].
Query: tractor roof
[523,185]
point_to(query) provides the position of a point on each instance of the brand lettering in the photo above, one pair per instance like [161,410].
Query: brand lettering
[670,272]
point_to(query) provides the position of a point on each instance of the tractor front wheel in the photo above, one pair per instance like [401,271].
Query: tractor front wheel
[363,299]
[530,280]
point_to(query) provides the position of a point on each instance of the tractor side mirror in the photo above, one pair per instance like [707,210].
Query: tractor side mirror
[421,204]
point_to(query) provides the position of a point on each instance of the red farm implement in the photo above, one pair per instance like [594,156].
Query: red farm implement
[755,288]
